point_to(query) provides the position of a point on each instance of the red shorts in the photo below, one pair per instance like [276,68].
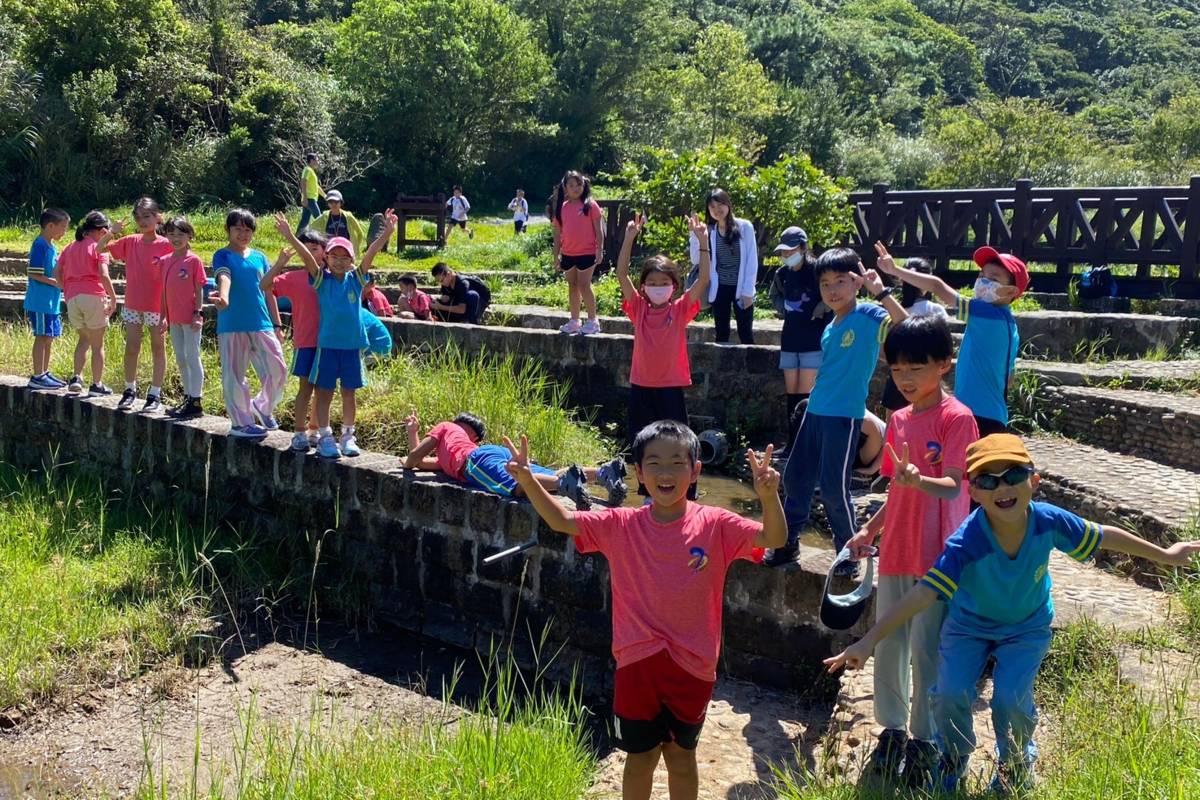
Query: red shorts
[655,701]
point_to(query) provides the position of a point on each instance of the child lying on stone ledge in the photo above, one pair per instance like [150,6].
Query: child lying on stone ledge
[454,448]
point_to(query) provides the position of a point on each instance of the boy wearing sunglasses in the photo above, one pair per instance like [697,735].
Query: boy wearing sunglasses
[994,575]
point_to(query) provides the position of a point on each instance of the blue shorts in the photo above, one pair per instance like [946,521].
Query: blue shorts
[45,324]
[485,470]
[337,366]
[809,360]
[303,359]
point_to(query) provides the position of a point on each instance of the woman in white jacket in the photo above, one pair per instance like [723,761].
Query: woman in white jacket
[733,267]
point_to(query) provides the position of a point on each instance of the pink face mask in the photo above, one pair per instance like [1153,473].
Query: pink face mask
[658,294]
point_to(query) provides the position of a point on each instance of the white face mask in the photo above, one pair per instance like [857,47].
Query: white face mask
[794,259]
[985,289]
[658,294]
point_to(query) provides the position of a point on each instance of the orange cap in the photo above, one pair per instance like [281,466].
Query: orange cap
[994,449]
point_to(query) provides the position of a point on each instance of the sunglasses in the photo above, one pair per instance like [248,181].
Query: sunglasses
[1013,476]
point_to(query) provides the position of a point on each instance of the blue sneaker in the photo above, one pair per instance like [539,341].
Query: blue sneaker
[269,422]
[39,383]
[57,383]
[348,445]
[572,483]
[1012,779]
[949,775]
[248,432]
[612,478]
[327,448]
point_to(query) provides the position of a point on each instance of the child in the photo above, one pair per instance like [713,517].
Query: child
[993,574]
[248,330]
[988,353]
[376,301]
[43,296]
[578,246]
[90,297]
[827,437]
[667,565]
[924,506]
[310,190]
[916,303]
[455,449]
[183,296]
[733,266]
[520,208]
[144,282]
[340,335]
[413,303]
[464,297]
[459,206]
[797,297]
[295,288]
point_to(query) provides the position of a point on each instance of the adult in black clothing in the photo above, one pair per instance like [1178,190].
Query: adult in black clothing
[463,299]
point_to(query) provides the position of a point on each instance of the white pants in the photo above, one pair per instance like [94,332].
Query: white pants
[185,341]
[916,643]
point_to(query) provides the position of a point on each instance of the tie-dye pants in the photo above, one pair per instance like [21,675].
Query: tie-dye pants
[240,351]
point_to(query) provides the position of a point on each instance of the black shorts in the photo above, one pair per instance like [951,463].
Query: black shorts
[462,223]
[518,226]
[988,426]
[646,405]
[566,262]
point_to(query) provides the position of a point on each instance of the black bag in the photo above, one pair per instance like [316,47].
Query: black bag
[1097,282]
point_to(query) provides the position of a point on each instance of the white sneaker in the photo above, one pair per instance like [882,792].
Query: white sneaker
[573,326]
[349,446]
[589,327]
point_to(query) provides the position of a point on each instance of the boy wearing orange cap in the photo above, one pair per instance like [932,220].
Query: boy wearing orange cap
[988,353]
[994,575]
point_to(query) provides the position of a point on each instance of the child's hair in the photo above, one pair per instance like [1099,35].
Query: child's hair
[839,259]
[520,191]
[719,195]
[146,205]
[180,224]
[92,221]
[474,423]
[439,269]
[668,430]
[919,340]
[457,188]
[310,157]
[309,236]
[52,215]
[240,216]
[409,280]
[560,193]
[910,294]
[660,263]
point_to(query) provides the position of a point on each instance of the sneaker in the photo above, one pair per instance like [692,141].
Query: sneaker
[884,763]
[39,383]
[782,555]
[127,398]
[920,762]
[153,403]
[572,484]
[949,775]
[99,390]
[328,448]
[248,432]
[589,327]
[847,569]
[300,442]
[188,408]
[349,446]
[612,477]
[314,437]
[54,382]
[269,422]
[76,385]
[573,326]
[1012,779]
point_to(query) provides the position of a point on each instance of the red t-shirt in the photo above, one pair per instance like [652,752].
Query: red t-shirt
[418,304]
[183,276]
[144,270]
[453,447]
[660,356]
[668,581]
[306,313]
[577,232]
[79,269]
[916,525]
[378,303]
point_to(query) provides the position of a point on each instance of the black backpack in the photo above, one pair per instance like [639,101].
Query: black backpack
[1097,282]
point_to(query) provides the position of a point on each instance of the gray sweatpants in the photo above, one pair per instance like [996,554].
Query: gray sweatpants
[916,641]
[185,341]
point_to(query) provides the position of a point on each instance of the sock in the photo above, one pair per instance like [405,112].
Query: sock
[131,386]
[154,390]
[326,431]
[347,430]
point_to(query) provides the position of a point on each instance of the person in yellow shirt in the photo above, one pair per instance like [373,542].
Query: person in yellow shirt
[339,222]
[310,190]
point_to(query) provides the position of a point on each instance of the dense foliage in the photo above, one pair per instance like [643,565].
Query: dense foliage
[214,101]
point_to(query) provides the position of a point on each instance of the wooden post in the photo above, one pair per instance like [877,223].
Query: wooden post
[1191,232]
[876,219]
[1022,216]
[941,249]
[441,220]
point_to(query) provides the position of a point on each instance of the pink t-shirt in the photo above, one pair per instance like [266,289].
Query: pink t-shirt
[183,277]
[668,581]
[418,304]
[453,447]
[660,356]
[143,270]
[306,313]
[916,525]
[79,269]
[577,232]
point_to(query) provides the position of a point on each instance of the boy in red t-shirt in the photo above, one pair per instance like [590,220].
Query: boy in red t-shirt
[667,562]
[926,457]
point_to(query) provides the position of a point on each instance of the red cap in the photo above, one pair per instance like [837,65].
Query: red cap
[1015,266]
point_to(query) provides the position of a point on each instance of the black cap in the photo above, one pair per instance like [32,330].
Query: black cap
[840,612]
[792,238]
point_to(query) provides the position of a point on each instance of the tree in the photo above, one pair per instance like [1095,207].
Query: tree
[1170,140]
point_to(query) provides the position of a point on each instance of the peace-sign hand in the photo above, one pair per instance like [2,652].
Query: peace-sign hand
[117,228]
[697,227]
[853,657]
[282,225]
[518,465]
[869,280]
[766,477]
[412,423]
[390,221]
[883,260]
[906,474]
[636,223]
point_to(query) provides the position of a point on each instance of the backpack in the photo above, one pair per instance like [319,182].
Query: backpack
[1097,282]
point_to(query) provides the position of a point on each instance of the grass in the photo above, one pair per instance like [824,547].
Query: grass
[511,395]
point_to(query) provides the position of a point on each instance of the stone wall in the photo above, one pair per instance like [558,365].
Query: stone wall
[413,544]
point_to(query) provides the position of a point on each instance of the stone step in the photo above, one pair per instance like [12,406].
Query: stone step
[1124,374]
[1158,426]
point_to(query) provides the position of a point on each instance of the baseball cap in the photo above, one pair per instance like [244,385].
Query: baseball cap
[995,449]
[334,195]
[342,242]
[1015,266]
[839,612]
[792,238]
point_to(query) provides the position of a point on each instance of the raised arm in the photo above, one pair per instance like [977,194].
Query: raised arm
[699,290]
[1122,541]
[285,230]
[267,284]
[632,229]
[915,600]
[557,517]
[389,227]
[926,283]
[871,281]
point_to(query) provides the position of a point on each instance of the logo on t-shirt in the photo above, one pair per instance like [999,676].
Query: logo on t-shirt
[1041,573]
[933,453]
[699,559]
[183,273]
[847,338]
[351,296]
